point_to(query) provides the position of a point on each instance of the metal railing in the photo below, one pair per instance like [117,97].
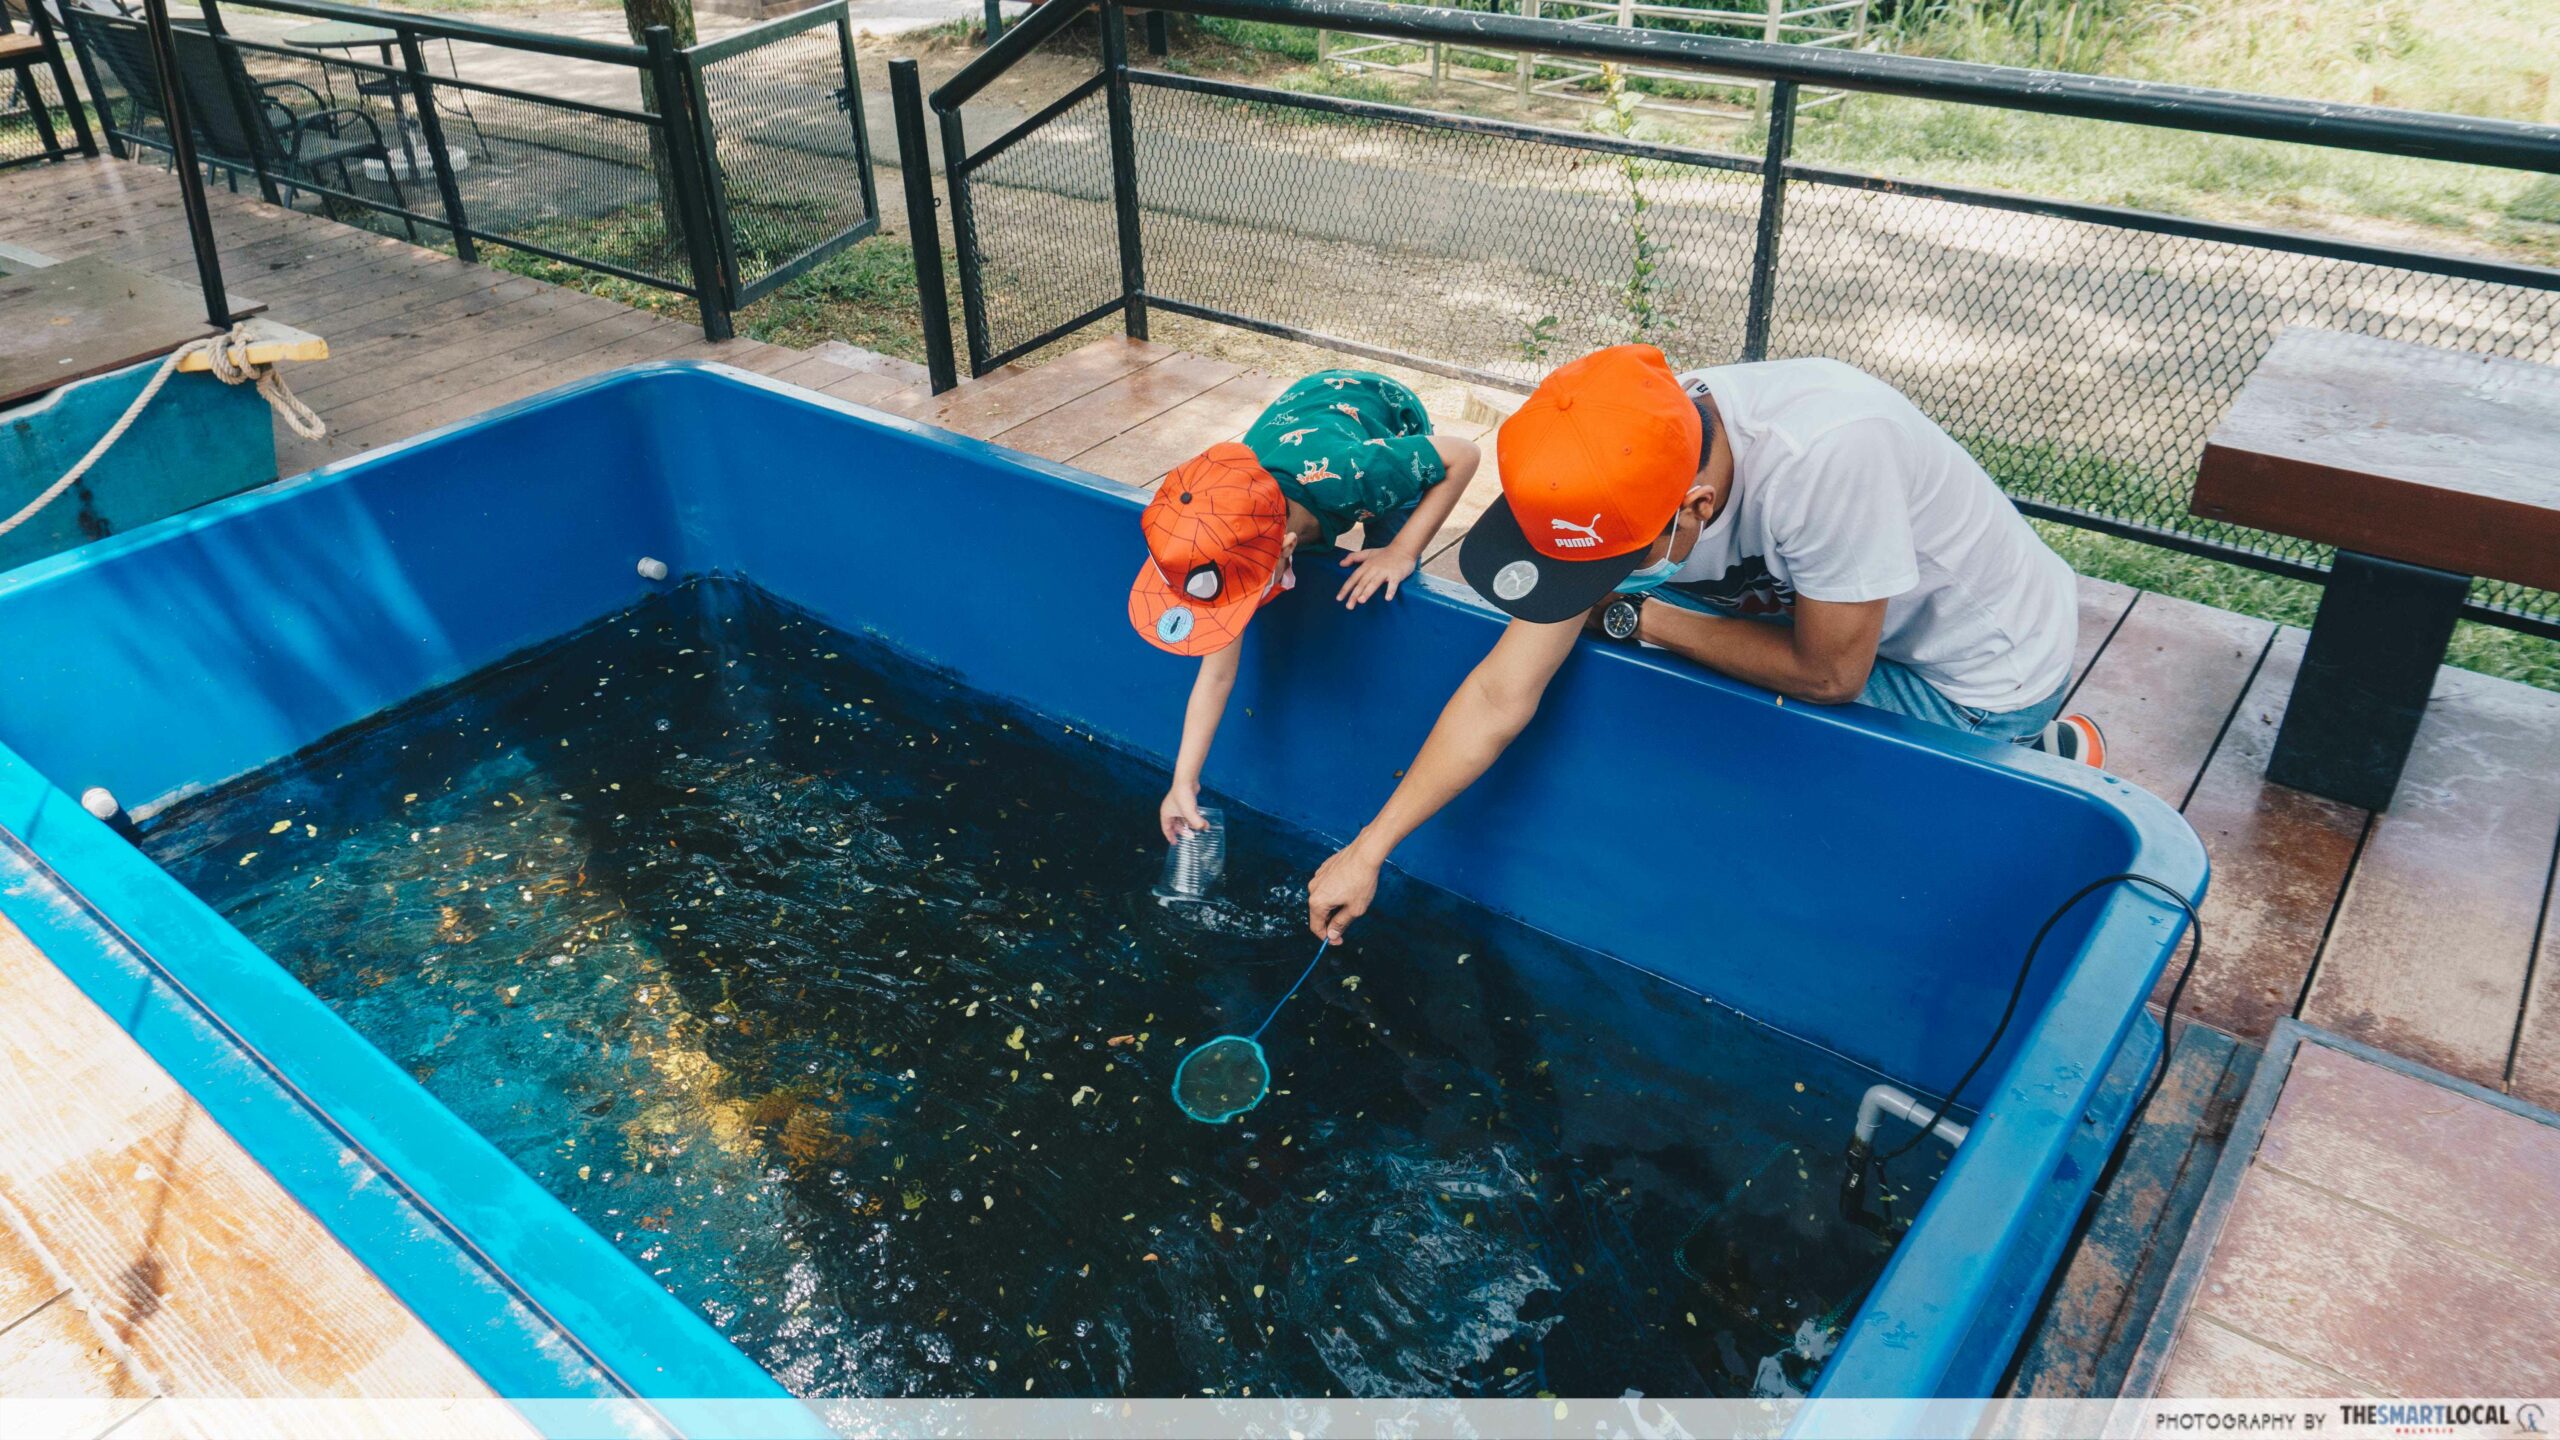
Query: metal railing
[2081,351]
[717,171]
[1528,75]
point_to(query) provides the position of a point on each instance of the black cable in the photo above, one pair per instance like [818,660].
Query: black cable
[2018,988]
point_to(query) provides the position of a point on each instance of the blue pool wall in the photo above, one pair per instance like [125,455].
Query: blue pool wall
[1861,881]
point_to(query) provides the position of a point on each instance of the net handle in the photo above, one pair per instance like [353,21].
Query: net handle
[1321,947]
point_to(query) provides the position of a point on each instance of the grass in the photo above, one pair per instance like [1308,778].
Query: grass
[863,295]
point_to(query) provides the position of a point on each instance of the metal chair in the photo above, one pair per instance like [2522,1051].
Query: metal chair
[22,53]
[281,131]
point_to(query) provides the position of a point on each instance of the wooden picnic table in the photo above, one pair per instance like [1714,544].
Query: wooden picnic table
[2425,468]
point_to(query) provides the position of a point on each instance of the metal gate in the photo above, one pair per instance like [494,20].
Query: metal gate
[786,160]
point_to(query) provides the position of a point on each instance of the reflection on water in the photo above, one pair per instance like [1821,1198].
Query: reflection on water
[831,994]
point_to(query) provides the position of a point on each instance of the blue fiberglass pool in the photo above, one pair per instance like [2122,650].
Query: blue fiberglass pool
[1913,863]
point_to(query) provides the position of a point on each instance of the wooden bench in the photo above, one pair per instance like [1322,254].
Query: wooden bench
[2425,468]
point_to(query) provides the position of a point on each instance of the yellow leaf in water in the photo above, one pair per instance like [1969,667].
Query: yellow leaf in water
[279,827]
[252,855]
[1014,1040]
[1217,1223]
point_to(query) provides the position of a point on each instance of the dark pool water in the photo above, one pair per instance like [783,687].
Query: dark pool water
[831,993]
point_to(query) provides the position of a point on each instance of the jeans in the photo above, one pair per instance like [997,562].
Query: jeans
[1899,688]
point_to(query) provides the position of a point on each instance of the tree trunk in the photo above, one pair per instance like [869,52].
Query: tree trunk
[676,15]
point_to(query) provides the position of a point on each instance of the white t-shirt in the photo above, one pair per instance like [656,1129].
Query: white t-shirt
[1844,491]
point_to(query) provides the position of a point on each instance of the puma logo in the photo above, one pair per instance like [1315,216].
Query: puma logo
[1583,536]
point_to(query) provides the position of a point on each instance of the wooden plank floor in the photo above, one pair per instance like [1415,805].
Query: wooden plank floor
[2444,1208]
[417,338]
[144,1257]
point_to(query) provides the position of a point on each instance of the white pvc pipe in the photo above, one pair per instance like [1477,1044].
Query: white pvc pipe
[1883,1100]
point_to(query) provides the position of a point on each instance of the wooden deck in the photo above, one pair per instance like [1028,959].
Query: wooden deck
[2441,1204]
[145,1259]
[2425,931]
[417,338]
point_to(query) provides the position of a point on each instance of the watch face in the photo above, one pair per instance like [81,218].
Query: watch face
[1619,620]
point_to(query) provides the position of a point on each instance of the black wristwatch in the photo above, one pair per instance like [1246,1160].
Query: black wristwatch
[1620,621]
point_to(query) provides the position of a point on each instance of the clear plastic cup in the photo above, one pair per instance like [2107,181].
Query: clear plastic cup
[1196,864]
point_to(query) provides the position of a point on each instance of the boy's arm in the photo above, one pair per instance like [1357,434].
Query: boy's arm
[1493,705]
[1390,565]
[1180,811]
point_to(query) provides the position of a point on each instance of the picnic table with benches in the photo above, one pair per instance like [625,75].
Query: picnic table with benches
[2425,468]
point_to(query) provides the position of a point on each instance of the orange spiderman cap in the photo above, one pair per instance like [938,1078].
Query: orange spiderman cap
[1214,536]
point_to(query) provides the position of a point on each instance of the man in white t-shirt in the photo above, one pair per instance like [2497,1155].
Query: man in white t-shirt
[1797,524]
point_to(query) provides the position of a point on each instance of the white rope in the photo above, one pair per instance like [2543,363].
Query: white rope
[223,358]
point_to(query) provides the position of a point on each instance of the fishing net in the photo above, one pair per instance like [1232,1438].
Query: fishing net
[1222,1079]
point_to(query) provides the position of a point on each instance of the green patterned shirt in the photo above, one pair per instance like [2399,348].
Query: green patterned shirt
[1348,445]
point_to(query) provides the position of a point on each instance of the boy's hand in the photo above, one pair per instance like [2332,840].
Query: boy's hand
[1371,572]
[1180,814]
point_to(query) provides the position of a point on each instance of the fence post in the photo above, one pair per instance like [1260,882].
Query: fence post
[55,43]
[182,158]
[924,232]
[97,91]
[1773,214]
[1526,72]
[1159,34]
[414,59]
[1124,170]
[853,109]
[674,115]
[995,24]
[964,238]
[715,184]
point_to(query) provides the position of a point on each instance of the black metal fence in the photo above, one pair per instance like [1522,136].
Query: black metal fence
[716,171]
[2081,351]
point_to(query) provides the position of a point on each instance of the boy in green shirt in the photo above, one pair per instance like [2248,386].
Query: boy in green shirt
[1339,448]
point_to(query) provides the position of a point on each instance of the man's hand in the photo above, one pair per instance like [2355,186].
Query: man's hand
[1180,814]
[1372,571]
[1340,893]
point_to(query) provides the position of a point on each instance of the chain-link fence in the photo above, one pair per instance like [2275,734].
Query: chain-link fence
[2082,352]
[714,172]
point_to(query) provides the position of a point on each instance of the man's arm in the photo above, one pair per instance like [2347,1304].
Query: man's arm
[1393,563]
[1493,704]
[1823,657]
[1180,812]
